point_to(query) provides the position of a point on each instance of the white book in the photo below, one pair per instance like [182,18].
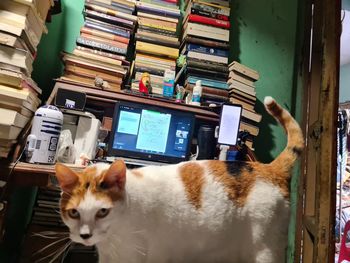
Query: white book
[199,30]
[244,70]
[9,132]
[242,87]
[241,78]
[163,18]
[12,40]
[208,57]
[11,12]
[17,57]
[11,117]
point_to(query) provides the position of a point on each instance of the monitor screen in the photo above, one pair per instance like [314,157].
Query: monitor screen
[151,133]
[229,124]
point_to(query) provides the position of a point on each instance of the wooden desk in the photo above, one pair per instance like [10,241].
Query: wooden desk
[26,174]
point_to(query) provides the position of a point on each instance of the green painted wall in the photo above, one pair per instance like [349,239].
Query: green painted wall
[344,83]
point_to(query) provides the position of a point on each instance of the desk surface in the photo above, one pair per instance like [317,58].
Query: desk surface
[35,174]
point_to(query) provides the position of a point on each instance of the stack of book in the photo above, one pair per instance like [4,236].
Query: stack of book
[100,57]
[242,91]
[205,46]
[157,44]
[22,24]
[46,209]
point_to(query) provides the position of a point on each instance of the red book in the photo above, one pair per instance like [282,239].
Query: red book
[209,21]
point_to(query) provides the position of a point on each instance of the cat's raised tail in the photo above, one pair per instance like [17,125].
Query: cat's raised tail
[295,144]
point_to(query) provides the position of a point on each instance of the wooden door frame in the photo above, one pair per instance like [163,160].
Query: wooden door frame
[317,188]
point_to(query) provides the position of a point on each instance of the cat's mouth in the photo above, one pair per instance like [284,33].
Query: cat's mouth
[88,243]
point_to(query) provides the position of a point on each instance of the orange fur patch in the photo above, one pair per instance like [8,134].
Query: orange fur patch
[238,183]
[193,180]
[89,180]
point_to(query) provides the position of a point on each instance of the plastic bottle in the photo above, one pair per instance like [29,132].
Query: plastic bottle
[197,93]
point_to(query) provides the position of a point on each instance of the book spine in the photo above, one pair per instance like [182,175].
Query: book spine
[212,91]
[125,9]
[209,83]
[171,1]
[153,71]
[208,66]
[101,53]
[222,13]
[95,44]
[207,50]
[154,10]
[156,26]
[208,43]
[208,31]
[211,58]
[209,21]
[102,34]
[161,3]
[205,72]
[217,2]
[156,41]
[109,19]
[118,32]
[110,12]
[157,31]
[104,41]
[157,49]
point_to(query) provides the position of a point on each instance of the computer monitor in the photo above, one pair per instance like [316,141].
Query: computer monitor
[229,124]
[151,133]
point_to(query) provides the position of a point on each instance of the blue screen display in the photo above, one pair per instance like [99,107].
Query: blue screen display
[148,131]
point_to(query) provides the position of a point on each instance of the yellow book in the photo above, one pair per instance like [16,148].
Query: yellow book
[213,5]
[157,24]
[157,50]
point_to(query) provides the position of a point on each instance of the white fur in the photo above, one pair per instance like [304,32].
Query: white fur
[155,223]
[268,100]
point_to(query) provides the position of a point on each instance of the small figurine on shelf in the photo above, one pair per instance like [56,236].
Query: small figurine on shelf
[145,83]
[180,92]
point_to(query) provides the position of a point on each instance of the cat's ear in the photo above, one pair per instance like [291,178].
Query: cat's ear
[66,177]
[115,176]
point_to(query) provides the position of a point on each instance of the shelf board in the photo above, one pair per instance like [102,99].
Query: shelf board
[202,113]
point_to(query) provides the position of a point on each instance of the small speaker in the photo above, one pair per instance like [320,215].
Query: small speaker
[206,142]
[70,99]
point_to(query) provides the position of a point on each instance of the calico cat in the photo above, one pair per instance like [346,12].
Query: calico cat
[196,211]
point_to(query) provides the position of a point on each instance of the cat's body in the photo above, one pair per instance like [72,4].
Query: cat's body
[203,211]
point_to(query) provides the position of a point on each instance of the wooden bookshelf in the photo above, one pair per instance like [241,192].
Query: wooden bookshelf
[99,95]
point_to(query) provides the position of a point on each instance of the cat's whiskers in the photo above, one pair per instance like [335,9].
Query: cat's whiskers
[50,234]
[56,253]
[50,245]
[64,249]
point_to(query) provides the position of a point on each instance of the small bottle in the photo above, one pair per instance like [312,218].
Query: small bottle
[197,93]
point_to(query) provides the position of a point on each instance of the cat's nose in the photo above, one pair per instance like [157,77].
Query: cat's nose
[85,236]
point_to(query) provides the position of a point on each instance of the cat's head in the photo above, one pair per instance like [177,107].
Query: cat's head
[90,199]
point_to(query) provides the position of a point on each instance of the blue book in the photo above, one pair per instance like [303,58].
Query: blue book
[208,82]
[158,11]
[108,29]
[206,50]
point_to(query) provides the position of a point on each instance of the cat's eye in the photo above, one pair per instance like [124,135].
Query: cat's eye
[73,213]
[103,212]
